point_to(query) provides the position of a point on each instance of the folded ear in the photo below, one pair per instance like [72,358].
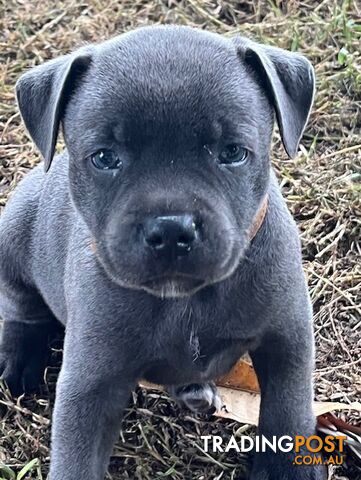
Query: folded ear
[42,94]
[289,81]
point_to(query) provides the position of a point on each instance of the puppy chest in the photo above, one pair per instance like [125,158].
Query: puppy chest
[193,358]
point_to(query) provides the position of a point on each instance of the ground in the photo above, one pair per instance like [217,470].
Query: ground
[321,187]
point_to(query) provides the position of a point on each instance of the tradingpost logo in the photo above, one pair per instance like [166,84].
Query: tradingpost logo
[306,449]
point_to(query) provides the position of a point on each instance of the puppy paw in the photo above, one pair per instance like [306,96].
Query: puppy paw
[23,354]
[197,397]
[19,375]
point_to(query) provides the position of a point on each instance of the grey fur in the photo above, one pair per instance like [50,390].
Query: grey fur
[166,99]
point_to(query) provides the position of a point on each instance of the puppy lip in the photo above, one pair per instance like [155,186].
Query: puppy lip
[175,278]
[179,285]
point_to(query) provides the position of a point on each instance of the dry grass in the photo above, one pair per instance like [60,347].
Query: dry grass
[321,186]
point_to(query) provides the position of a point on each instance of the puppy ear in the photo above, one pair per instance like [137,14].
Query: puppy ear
[289,81]
[43,93]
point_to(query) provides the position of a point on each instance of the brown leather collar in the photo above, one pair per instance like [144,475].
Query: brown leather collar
[258,219]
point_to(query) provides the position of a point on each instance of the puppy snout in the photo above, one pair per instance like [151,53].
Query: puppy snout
[171,235]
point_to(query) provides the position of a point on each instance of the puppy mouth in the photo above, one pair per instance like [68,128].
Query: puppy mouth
[174,286]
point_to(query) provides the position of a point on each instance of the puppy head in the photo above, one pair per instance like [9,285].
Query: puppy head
[168,131]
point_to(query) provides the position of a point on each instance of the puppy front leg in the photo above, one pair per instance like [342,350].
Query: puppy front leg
[284,364]
[90,398]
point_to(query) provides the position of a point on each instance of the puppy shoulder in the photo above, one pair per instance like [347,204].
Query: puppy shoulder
[17,221]
[275,255]
[20,218]
[280,223]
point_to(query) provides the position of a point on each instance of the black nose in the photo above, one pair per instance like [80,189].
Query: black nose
[172,235]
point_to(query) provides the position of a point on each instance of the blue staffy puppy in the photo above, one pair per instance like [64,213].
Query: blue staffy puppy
[139,238]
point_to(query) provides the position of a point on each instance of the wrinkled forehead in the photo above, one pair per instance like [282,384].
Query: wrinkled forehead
[171,87]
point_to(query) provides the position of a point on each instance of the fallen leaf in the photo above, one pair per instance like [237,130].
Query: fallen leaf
[241,377]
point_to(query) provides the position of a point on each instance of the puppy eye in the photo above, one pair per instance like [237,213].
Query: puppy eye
[105,160]
[233,154]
